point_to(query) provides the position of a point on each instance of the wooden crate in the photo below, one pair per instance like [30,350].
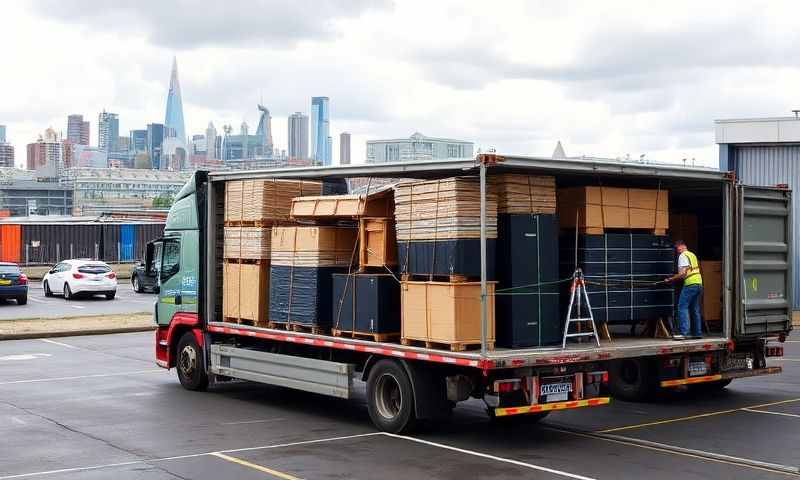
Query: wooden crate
[445,313]
[313,246]
[245,292]
[377,243]
[378,204]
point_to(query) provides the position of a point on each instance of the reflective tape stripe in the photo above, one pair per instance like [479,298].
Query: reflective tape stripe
[546,407]
[689,381]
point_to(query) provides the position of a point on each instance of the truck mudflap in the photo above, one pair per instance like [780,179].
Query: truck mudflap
[729,375]
[547,407]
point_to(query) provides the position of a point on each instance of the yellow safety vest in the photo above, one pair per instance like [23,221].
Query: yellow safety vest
[693,276]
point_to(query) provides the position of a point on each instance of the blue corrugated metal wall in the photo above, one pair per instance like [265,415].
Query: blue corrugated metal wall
[766,165]
[126,239]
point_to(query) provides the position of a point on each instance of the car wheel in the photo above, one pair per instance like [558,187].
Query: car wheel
[137,285]
[67,292]
[190,365]
[390,398]
[22,300]
[47,291]
[110,296]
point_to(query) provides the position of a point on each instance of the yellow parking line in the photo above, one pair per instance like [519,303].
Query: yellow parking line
[245,463]
[694,417]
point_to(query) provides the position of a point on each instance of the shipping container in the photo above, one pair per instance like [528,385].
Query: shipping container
[109,243]
[9,243]
[143,233]
[127,236]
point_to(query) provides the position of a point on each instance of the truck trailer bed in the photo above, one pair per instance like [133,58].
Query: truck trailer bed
[620,347]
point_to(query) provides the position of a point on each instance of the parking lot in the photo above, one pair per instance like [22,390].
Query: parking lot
[97,407]
[39,306]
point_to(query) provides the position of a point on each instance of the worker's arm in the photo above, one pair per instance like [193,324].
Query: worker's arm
[682,271]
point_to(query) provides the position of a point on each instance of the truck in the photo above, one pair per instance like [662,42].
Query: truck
[749,227]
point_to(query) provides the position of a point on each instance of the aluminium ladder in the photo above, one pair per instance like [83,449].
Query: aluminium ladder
[578,292]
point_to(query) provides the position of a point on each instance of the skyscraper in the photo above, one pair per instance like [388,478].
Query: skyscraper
[77,130]
[107,131]
[2,134]
[155,139]
[6,149]
[173,120]
[298,136]
[344,148]
[45,152]
[320,130]
[264,129]
[211,142]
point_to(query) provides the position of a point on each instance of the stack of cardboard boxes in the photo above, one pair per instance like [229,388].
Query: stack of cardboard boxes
[593,210]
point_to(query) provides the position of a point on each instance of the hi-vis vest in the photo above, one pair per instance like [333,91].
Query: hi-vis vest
[693,276]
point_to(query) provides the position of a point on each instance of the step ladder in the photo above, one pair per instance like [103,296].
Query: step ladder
[577,298]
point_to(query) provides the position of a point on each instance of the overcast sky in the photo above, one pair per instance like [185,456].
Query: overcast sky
[606,78]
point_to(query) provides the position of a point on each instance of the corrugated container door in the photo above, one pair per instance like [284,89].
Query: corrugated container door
[10,243]
[111,248]
[764,261]
[126,240]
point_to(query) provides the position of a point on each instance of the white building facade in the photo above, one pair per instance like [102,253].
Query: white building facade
[417,147]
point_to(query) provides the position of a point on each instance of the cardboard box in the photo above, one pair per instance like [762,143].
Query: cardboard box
[644,218]
[378,243]
[613,207]
[615,217]
[615,197]
[245,292]
[444,312]
[324,246]
[712,289]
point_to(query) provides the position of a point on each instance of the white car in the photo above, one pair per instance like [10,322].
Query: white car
[76,277]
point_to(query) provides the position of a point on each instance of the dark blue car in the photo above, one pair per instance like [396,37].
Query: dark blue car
[13,283]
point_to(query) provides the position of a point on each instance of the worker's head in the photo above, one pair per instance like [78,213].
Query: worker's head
[680,246]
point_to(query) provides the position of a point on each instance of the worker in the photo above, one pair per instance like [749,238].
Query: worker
[691,293]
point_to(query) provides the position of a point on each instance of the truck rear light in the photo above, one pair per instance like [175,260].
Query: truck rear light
[112,275]
[22,280]
[505,386]
[774,351]
[605,377]
[595,377]
[77,276]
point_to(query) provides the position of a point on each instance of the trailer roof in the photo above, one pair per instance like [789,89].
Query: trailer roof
[506,163]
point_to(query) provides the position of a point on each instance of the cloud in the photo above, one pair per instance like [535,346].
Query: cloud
[187,24]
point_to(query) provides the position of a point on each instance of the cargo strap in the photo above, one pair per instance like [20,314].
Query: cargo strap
[577,296]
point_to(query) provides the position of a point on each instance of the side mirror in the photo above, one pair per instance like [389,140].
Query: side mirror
[52,270]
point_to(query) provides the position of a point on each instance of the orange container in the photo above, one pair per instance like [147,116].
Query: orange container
[10,243]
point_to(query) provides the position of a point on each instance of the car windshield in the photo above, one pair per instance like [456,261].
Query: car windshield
[9,269]
[94,269]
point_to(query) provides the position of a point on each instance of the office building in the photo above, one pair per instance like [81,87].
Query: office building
[211,142]
[2,134]
[77,130]
[320,130]
[418,147]
[6,155]
[108,131]
[264,129]
[123,144]
[46,153]
[198,146]
[138,141]
[238,150]
[344,148]
[155,139]
[21,194]
[173,120]
[298,136]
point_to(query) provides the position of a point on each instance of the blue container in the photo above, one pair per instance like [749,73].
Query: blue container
[126,238]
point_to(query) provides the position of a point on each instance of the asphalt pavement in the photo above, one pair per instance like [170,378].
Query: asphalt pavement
[97,407]
[39,306]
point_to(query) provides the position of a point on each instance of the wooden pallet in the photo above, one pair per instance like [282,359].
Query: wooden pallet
[244,321]
[408,277]
[298,327]
[601,230]
[250,223]
[376,337]
[248,261]
[452,346]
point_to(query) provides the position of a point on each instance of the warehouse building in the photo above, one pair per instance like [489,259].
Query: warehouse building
[765,151]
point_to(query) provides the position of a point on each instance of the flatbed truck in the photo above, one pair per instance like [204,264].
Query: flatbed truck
[408,384]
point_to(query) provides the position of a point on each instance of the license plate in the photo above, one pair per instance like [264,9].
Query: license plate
[555,389]
[697,369]
[97,278]
[5,282]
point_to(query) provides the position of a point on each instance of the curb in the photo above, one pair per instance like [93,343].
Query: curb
[75,333]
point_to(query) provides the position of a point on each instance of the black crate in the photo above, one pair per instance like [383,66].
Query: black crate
[446,257]
[302,295]
[527,255]
[366,303]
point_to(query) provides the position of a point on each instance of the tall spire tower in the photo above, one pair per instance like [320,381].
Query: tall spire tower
[174,117]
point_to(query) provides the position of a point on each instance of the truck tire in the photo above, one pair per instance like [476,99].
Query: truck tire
[190,364]
[390,398]
[632,379]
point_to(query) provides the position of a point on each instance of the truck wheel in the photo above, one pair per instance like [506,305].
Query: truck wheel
[190,364]
[390,398]
[632,379]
